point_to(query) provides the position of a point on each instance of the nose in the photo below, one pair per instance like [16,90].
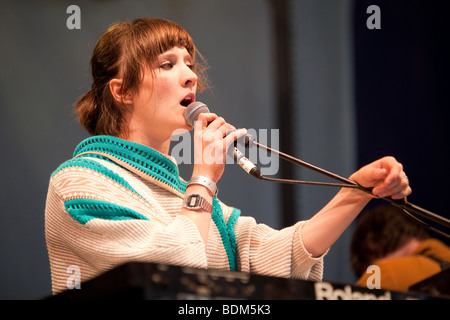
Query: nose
[189,78]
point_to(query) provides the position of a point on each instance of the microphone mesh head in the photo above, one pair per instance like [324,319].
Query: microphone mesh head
[193,110]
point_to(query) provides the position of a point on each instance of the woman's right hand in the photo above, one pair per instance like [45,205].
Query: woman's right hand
[212,138]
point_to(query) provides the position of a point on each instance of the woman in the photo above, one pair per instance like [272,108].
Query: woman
[121,199]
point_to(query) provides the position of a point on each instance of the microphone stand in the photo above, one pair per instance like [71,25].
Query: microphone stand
[403,204]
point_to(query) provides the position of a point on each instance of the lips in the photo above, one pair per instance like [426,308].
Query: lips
[189,98]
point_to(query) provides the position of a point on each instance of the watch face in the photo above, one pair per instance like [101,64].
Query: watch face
[193,201]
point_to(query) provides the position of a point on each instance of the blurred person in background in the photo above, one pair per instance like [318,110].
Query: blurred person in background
[402,249]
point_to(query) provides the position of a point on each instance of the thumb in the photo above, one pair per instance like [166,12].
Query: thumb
[379,173]
[370,175]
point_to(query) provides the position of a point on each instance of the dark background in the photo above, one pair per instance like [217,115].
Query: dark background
[402,94]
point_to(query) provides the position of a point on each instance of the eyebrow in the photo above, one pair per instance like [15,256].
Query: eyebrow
[167,55]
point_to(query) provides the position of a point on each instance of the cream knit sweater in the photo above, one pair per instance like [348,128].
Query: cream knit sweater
[117,201]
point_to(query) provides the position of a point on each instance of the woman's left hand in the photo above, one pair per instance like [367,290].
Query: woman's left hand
[386,176]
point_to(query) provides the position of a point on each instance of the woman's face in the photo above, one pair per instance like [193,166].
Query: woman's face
[159,104]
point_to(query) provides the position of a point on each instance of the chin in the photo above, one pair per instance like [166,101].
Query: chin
[181,126]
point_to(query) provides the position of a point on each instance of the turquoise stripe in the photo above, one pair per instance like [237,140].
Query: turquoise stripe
[83,210]
[226,232]
[230,227]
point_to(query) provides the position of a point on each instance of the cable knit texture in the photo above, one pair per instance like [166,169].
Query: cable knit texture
[117,201]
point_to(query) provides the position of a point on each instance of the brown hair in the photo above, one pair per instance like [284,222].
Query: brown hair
[380,231]
[122,52]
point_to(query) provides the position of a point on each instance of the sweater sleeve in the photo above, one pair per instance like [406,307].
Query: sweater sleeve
[90,225]
[271,252]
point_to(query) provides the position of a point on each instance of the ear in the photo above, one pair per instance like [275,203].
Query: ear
[115,86]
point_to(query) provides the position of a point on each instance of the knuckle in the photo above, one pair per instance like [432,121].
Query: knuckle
[390,159]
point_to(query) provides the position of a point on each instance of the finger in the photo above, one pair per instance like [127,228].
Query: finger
[379,173]
[374,177]
[213,134]
[205,118]
[391,179]
[226,129]
[233,136]
[216,123]
[397,186]
[395,190]
[401,195]
[395,170]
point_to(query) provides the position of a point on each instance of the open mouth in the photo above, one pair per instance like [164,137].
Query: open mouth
[187,100]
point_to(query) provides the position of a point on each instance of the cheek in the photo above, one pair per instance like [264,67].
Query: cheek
[163,87]
[159,90]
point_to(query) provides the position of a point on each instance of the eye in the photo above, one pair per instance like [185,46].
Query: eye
[166,65]
[189,63]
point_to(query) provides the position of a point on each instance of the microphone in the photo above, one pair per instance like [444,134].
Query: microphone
[246,164]
[193,110]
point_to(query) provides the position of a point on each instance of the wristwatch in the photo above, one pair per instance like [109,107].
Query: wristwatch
[197,202]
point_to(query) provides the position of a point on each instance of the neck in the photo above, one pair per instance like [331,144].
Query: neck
[159,144]
[406,249]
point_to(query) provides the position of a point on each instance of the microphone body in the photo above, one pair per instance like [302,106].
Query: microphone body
[246,164]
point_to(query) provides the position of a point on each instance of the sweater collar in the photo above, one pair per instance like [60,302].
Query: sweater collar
[139,156]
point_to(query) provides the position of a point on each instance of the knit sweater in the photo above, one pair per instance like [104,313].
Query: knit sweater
[118,201]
